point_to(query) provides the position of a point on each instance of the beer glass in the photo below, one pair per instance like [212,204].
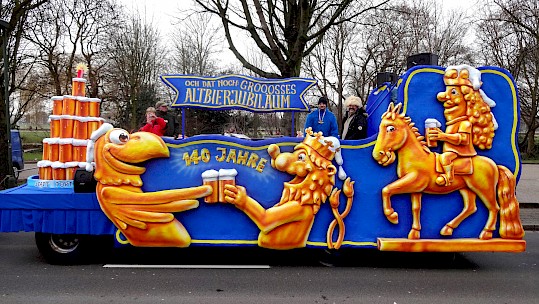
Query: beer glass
[226,177]
[57,104]
[210,177]
[66,123]
[55,125]
[431,123]
[68,105]
[78,87]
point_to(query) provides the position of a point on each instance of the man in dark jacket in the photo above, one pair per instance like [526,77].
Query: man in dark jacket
[173,126]
[355,121]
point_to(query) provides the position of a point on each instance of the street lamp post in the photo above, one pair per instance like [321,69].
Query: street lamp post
[5,31]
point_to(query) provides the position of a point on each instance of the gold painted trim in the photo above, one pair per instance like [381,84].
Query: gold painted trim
[221,142]
[453,245]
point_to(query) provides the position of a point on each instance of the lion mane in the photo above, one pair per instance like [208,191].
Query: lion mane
[314,188]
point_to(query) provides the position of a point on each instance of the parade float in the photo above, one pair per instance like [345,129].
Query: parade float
[438,172]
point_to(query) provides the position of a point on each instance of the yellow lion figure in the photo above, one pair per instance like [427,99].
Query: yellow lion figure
[288,223]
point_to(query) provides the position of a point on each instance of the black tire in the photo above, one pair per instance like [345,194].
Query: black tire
[61,249]
[70,249]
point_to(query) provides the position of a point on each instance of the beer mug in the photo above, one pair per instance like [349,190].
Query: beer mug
[58,171]
[46,149]
[68,105]
[66,126]
[226,177]
[431,123]
[93,107]
[71,168]
[81,107]
[79,149]
[54,121]
[44,169]
[78,86]
[210,177]
[54,149]
[57,104]
[66,150]
[93,124]
[80,127]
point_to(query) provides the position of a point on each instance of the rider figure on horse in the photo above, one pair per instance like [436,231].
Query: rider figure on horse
[469,121]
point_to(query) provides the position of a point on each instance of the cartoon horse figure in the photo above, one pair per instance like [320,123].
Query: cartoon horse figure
[417,175]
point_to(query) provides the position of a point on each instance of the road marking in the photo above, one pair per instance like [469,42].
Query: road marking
[189,266]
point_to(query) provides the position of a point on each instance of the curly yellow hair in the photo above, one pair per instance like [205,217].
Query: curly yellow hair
[480,115]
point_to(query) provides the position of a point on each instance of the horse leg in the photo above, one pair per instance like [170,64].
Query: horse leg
[389,212]
[469,199]
[487,194]
[408,183]
[489,199]
[416,210]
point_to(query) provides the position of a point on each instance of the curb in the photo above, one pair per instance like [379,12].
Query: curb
[531,227]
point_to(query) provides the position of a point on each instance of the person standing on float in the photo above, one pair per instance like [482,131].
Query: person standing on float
[322,120]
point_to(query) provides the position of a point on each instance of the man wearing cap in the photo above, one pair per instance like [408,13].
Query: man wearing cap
[173,127]
[322,120]
[355,121]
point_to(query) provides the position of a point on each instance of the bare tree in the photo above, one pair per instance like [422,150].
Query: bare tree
[509,38]
[284,31]
[136,58]
[328,63]
[195,50]
[68,32]
[404,29]
[196,45]
[15,14]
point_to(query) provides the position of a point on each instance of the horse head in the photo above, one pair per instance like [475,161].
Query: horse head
[392,134]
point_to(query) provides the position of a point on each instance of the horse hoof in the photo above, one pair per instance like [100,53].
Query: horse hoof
[485,235]
[413,235]
[447,231]
[393,217]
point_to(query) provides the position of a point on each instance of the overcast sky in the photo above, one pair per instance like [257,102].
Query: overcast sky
[162,11]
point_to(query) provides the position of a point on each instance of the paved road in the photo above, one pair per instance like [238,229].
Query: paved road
[363,277]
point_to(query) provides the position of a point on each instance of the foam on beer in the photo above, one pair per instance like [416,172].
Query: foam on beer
[210,177]
[226,177]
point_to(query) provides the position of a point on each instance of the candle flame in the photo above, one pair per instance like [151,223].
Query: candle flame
[81,69]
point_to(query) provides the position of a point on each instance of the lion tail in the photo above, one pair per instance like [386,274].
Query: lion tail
[339,217]
[510,224]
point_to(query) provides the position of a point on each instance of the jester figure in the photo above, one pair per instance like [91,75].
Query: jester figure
[469,121]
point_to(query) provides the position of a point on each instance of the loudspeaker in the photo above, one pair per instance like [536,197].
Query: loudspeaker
[84,181]
[421,59]
[383,77]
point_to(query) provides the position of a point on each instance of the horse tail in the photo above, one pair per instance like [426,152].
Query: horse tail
[510,225]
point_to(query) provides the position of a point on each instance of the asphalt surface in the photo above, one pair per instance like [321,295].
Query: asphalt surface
[527,193]
[294,277]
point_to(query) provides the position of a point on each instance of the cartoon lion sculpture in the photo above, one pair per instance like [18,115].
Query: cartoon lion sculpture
[287,224]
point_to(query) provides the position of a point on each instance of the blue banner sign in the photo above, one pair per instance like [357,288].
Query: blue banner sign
[239,92]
